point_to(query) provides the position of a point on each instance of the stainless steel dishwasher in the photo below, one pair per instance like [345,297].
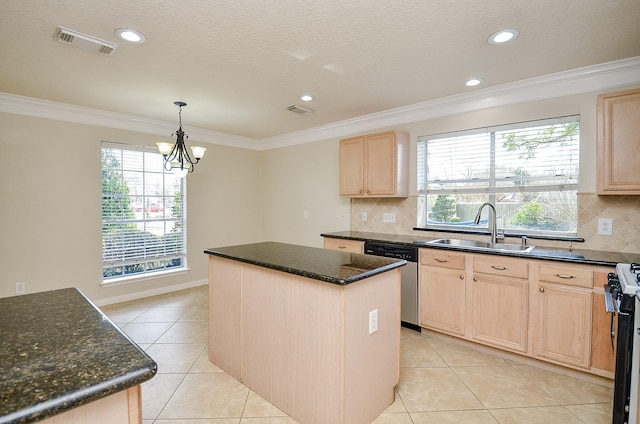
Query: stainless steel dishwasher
[409,291]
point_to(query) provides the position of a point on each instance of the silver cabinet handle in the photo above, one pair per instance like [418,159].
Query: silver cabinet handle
[462,278]
[442,261]
[342,247]
[541,289]
[475,279]
[568,277]
[499,268]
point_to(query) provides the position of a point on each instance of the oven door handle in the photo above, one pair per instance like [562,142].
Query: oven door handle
[613,331]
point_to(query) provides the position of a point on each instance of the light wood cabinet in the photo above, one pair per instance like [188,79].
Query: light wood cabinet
[344,245]
[500,292]
[564,314]
[442,291]
[619,143]
[375,165]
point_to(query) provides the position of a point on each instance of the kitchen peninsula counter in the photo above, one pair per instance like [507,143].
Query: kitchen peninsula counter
[63,361]
[297,325]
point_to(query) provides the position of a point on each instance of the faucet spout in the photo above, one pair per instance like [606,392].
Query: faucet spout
[493,228]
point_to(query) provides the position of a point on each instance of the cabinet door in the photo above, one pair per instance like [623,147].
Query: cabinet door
[564,320]
[352,166]
[380,170]
[442,299]
[618,141]
[500,311]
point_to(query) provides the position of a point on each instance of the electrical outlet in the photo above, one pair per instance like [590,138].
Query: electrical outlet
[605,227]
[305,214]
[364,217]
[373,321]
[389,217]
[21,287]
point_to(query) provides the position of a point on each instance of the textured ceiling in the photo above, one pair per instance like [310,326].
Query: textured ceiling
[239,63]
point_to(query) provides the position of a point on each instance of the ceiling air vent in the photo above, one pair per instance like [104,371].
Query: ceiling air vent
[84,41]
[300,110]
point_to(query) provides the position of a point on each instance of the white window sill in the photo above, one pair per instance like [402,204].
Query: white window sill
[112,282]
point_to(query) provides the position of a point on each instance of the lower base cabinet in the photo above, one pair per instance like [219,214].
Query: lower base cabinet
[442,293]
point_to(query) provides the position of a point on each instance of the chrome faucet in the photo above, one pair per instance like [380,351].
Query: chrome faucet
[493,227]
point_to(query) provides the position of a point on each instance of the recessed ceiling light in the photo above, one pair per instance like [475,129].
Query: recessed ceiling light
[473,82]
[503,36]
[306,98]
[130,35]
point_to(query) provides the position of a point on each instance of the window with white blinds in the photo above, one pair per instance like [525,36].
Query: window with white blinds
[143,214]
[528,171]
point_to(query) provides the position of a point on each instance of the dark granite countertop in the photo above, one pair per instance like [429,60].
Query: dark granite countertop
[312,262]
[592,257]
[58,351]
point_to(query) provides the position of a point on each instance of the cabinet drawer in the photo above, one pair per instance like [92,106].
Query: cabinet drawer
[344,245]
[565,275]
[498,265]
[441,258]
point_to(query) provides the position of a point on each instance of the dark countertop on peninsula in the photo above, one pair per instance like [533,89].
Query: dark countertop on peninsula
[319,264]
[58,351]
[587,257]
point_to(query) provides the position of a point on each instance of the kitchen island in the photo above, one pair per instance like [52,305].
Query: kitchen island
[315,332]
[63,361]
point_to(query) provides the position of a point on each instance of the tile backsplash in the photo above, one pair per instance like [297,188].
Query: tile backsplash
[623,210]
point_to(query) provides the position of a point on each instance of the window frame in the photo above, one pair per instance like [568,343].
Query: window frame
[180,254]
[492,186]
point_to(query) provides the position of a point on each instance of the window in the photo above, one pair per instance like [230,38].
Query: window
[528,171]
[143,214]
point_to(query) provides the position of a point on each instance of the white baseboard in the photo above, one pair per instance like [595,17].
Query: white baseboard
[151,292]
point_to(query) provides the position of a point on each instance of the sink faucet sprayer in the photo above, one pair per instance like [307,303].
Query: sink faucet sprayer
[493,227]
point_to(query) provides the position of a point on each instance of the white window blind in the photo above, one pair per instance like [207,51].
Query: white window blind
[143,214]
[529,170]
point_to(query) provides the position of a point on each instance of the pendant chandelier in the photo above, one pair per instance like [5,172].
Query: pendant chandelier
[176,156]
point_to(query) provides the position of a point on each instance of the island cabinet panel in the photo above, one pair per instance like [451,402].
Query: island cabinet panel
[618,141]
[124,407]
[225,279]
[375,165]
[304,344]
[442,291]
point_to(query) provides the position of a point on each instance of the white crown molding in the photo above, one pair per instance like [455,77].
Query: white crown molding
[593,78]
[38,108]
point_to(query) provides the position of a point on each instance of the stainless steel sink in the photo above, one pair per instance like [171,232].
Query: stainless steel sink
[481,245]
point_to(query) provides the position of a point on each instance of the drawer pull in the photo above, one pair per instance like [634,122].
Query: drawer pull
[442,261]
[342,247]
[499,268]
[568,277]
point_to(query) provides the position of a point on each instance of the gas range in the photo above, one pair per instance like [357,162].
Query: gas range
[626,280]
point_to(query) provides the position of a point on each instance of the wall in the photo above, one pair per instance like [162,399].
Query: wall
[50,214]
[624,210]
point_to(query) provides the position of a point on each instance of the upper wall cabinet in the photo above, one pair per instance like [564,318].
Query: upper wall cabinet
[375,165]
[619,143]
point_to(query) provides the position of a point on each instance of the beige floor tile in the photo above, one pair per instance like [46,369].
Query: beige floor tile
[502,387]
[461,356]
[537,415]
[146,332]
[186,332]
[434,389]
[595,413]
[567,390]
[258,407]
[397,406]
[270,420]
[123,314]
[453,417]
[174,358]
[196,313]
[416,352]
[198,421]
[204,365]
[162,314]
[213,395]
[157,392]
[393,418]
[406,333]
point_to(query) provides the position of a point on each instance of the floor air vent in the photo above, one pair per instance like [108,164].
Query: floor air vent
[84,41]
[300,109]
